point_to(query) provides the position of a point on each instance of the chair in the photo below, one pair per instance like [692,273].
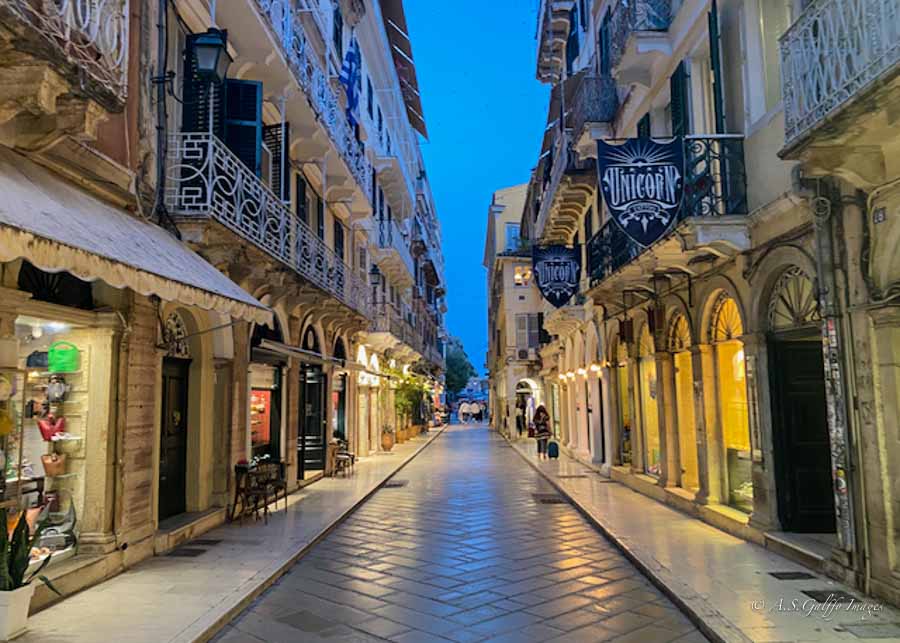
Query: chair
[270,479]
[247,493]
[344,460]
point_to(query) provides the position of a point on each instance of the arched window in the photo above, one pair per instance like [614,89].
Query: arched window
[649,389]
[793,302]
[175,337]
[311,340]
[678,340]
[60,288]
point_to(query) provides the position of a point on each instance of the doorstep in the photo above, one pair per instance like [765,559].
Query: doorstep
[731,589]
[190,593]
[807,549]
[178,529]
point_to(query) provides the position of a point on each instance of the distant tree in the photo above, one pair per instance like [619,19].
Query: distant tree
[459,368]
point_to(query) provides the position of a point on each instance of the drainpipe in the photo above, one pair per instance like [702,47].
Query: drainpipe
[819,194]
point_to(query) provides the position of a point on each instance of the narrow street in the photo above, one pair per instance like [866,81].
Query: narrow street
[467,543]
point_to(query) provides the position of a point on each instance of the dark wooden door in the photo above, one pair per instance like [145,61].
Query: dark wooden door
[173,438]
[803,452]
[311,441]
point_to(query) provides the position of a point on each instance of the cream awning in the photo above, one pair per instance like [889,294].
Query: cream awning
[57,226]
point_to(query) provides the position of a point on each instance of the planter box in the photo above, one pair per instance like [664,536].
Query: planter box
[14,612]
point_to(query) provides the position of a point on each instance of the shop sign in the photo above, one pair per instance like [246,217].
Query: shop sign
[557,271]
[642,181]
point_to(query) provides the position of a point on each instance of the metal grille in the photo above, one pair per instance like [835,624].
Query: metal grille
[186,552]
[791,575]
[394,484]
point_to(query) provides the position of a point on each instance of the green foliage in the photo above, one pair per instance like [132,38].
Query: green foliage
[15,554]
[459,368]
[411,389]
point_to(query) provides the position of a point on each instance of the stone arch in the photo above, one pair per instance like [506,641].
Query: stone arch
[676,306]
[709,298]
[312,330]
[577,350]
[792,302]
[339,350]
[592,348]
[766,275]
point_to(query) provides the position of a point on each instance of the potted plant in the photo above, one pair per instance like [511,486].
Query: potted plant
[15,590]
[387,438]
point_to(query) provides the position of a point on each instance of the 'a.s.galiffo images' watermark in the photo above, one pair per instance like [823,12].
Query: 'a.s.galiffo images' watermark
[834,605]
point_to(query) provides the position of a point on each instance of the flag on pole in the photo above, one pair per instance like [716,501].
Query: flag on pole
[351,79]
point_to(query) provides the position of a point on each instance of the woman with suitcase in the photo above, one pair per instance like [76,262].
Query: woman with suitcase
[542,430]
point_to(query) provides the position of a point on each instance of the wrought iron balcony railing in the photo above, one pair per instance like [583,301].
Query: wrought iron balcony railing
[715,184]
[391,238]
[596,100]
[206,180]
[90,34]
[630,16]
[285,21]
[561,161]
[834,51]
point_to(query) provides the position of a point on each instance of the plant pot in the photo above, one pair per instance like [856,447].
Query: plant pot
[387,441]
[14,611]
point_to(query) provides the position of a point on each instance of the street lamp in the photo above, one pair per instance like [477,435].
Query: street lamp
[211,55]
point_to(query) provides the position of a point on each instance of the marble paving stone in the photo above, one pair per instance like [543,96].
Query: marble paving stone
[463,553]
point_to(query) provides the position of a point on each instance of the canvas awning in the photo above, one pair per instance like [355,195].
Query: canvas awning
[57,226]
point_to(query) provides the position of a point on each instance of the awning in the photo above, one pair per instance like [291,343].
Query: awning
[56,226]
[401,50]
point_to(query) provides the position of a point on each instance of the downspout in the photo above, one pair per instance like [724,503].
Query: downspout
[161,80]
[819,194]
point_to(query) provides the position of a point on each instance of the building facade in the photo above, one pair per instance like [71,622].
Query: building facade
[238,253]
[514,324]
[740,367]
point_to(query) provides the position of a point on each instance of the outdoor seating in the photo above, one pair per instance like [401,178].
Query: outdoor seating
[256,487]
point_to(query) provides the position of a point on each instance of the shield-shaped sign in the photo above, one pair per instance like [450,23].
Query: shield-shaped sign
[557,270]
[642,182]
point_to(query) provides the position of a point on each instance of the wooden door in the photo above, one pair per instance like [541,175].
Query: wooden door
[173,438]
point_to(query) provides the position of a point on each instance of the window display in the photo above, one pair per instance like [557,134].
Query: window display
[265,410]
[625,414]
[649,408]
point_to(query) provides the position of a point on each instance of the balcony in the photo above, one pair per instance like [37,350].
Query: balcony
[834,55]
[569,185]
[566,319]
[712,223]
[639,36]
[553,30]
[206,181]
[592,110]
[89,39]
[391,253]
[274,47]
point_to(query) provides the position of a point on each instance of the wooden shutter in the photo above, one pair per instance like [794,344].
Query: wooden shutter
[604,45]
[339,239]
[243,121]
[572,44]
[715,62]
[198,95]
[643,126]
[274,137]
[543,335]
[678,86]
[320,217]
[338,32]
[301,204]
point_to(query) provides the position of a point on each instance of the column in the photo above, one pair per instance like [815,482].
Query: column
[634,394]
[670,469]
[706,419]
[609,391]
[765,504]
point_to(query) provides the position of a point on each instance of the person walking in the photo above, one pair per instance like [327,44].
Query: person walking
[520,416]
[542,430]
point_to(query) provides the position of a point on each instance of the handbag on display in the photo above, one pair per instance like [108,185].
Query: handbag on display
[57,389]
[54,464]
[37,359]
[50,426]
[63,357]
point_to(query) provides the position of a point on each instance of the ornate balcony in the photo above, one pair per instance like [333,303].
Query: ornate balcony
[205,180]
[566,319]
[553,29]
[836,52]
[285,23]
[593,109]
[712,223]
[638,29]
[391,252]
[569,185]
[85,36]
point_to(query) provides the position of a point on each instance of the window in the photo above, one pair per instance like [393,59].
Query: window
[522,276]
[338,31]
[774,20]
[380,120]
[320,217]
[603,44]
[339,239]
[528,331]
[589,224]
[300,203]
[513,240]
[643,126]
[679,101]
[370,98]
[572,43]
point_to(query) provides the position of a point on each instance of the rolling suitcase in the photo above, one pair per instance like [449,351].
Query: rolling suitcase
[553,450]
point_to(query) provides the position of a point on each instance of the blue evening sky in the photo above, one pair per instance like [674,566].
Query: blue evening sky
[485,112]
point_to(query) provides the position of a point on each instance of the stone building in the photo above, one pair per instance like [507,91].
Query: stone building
[739,367]
[237,248]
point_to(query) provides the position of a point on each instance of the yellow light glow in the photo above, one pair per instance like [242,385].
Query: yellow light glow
[582,372]
[595,368]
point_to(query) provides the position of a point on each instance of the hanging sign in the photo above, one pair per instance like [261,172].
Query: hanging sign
[557,270]
[642,182]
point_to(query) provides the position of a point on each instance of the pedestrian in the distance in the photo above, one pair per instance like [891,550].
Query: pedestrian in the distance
[542,430]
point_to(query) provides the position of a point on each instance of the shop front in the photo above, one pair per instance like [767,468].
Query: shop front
[311,438]
[679,345]
[268,397]
[649,393]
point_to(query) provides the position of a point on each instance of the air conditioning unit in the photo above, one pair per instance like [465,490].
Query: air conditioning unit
[523,353]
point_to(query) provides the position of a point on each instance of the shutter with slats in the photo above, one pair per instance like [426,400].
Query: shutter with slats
[300,204]
[681,116]
[243,121]
[543,334]
[274,137]
[605,49]
[643,126]
[339,239]
[320,217]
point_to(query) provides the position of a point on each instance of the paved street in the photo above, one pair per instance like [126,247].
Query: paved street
[463,551]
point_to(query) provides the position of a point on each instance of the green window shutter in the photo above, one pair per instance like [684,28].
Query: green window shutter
[715,62]
[339,239]
[604,45]
[320,217]
[678,86]
[301,205]
[274,137]
[243,121]
[643,126]
[198,96]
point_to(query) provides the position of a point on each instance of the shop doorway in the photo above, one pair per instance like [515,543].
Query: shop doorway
[803,473]
[311,438]
[173,438]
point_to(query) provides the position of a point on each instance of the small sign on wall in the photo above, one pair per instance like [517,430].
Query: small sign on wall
[879,215]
